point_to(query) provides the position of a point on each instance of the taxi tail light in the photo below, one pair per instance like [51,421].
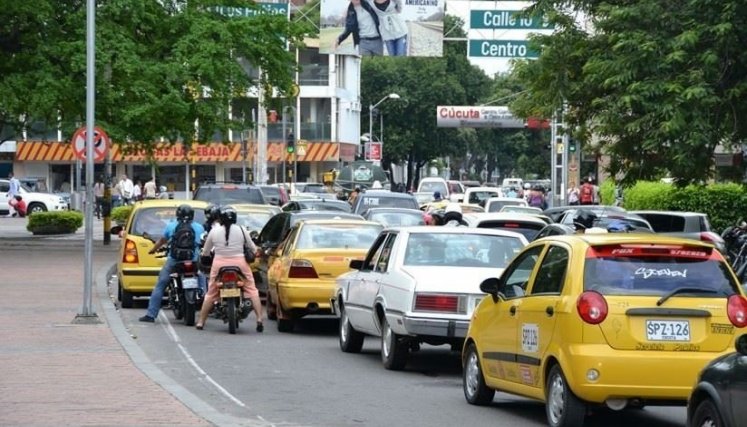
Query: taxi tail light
[437,302]
[736,310]
[592,307]
[130,252]
[302,269]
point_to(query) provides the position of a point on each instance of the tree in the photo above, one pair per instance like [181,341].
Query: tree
[161,65]
[657,85]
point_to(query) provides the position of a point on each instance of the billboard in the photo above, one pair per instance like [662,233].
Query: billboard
[382,27]
[462,116]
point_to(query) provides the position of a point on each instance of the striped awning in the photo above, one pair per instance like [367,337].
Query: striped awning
[165,153]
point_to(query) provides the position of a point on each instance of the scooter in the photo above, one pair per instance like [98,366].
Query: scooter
[232,307]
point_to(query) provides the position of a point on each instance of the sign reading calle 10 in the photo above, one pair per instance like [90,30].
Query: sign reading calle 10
[506,20]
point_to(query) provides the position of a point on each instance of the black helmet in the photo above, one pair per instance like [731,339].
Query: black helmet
[212,213]
[227,215]
[584,219]
[185,213]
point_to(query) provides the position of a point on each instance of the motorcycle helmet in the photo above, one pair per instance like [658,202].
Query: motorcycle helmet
[212,213]
[185,213]
[584,219]
[228,215]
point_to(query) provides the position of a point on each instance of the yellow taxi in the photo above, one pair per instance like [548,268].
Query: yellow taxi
[302,277]
[137,270]
[621,320]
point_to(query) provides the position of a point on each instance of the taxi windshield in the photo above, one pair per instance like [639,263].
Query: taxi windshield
[334,236]
[461,250]
[253,220]
[657,275]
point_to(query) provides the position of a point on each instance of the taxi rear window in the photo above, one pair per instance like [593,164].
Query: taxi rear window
[657,270]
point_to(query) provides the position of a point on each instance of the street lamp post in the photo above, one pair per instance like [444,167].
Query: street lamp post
[370,120]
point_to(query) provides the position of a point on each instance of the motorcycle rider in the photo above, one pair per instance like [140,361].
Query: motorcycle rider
[227,243]
[184,213]
[584,220]
[212,217]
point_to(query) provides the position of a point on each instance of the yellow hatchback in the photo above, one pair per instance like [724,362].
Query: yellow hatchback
[137,270]
[302,276]
[621,320]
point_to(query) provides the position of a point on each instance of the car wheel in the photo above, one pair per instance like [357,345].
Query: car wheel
[125,297]
[351,341]
[36,207]
[394,350]
[285,325]
[475,390]
[272,309]
[706,415]
[563,408]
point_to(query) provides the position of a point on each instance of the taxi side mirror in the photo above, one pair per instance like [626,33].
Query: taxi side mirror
[741,345]
[116,230]
[356,264]
[491,286]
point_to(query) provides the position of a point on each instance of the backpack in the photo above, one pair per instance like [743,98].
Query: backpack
[587,194]
[183,242]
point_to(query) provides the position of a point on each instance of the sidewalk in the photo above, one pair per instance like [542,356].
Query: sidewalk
[61,372]
[14,229]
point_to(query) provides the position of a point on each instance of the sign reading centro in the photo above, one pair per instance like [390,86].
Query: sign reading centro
[454,116]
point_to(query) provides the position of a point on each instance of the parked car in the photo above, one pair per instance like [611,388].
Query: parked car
[35,202]
[137,270]
[395,217]
[302,276]
[622,320]
[557,212]
[274,194]
[418,285]
[383,199]
[273,234]
[495,204]
[528,225]
[317,205]
[718,397]
[229,193]
[690,225]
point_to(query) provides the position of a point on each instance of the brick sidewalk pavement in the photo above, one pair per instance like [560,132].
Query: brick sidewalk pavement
[60,373]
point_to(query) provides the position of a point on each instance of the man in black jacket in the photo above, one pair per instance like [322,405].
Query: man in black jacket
[362,22]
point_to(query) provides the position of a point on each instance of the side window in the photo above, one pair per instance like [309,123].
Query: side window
[374,252]
[544,233]
[386,253]
[289,241]
[271,232]
[551,274]
[517,277]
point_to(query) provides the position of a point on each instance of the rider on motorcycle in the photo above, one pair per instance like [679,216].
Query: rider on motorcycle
[212,217]
[227,245]
[183,213]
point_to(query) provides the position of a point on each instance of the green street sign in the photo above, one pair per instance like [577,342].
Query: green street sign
[506,20]
[245,12]
[500,49]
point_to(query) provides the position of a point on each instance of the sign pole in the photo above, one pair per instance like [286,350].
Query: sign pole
[87,315]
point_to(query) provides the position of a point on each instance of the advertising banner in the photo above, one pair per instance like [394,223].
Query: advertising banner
[461,116]
[382,27]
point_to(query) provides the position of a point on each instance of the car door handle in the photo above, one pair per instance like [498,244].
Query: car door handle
[550,311]
[512,310]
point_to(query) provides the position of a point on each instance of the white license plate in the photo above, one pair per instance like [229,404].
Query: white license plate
[668,330]
[189,283]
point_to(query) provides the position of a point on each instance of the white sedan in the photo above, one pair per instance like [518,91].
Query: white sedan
[419,285]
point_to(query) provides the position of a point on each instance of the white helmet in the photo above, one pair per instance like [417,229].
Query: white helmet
[527,186]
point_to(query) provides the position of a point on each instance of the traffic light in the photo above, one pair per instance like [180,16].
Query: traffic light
[572,145]
[290,143]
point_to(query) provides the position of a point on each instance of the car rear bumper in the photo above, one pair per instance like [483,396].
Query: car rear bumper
[311,296]
[657,375]
[450,328]
[138,280]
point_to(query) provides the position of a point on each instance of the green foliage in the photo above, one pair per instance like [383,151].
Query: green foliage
[658,85]
[120,214]
[725,204]
[607,192]
[61,222]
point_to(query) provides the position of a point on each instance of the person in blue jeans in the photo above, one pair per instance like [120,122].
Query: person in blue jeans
[183,213]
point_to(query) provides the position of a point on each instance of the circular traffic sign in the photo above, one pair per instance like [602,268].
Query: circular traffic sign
[101,143]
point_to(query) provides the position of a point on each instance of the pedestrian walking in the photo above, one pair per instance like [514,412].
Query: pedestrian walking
[98,193]
[13,191]
[573,193]
[137,191]
[150,189]
[184,214]
[126,189]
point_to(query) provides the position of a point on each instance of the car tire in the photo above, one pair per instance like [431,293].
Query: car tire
[563,408]
[272,309]
[351,341]
[125,297]
[473,382]
[394,350]
[36,207]
[285,325]
[706,415]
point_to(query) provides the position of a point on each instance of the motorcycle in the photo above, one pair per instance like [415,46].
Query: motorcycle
[183,290]
[232,307]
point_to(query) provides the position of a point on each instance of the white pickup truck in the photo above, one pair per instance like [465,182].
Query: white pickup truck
[418,285]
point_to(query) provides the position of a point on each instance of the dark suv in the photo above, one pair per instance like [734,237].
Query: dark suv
[227,193]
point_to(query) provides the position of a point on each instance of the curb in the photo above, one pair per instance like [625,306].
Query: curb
[144,364]
[52,243]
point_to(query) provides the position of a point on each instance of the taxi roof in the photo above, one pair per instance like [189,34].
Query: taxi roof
[625,238]
[350,221]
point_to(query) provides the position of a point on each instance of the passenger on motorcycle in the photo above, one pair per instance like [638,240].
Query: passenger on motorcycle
[227,244]
[212,217]
[183,213]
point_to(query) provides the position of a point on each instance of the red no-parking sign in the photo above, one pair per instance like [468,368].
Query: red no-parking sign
[101,143]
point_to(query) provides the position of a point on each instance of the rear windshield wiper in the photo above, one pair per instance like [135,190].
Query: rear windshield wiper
[676,291]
